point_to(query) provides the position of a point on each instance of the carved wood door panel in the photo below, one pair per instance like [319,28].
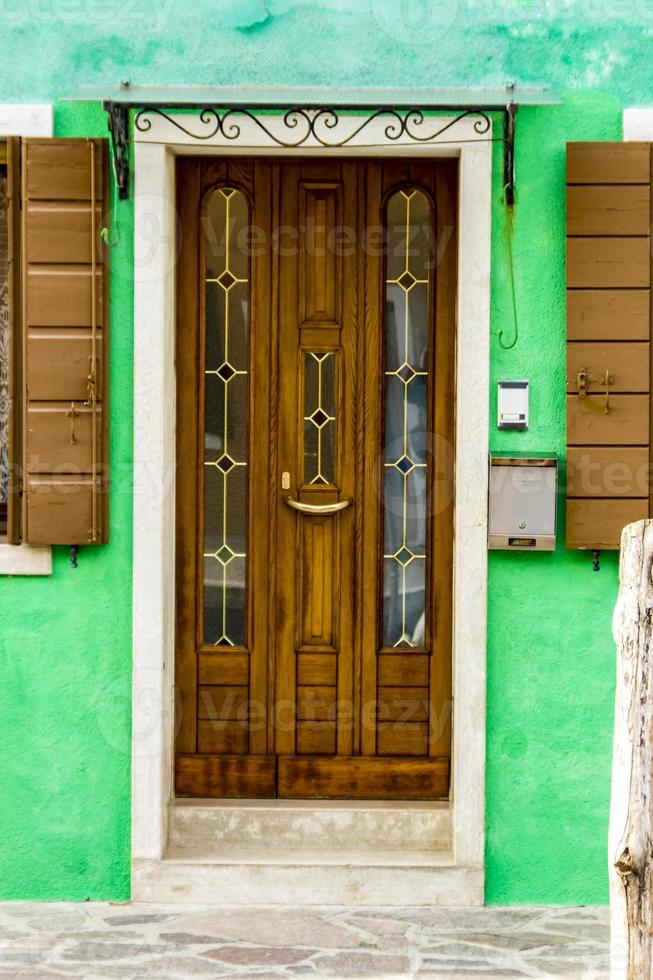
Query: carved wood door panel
[315,352]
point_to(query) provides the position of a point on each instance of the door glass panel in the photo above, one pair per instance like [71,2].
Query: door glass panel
[4,352]
[227,293]
[319,417]
[406,397]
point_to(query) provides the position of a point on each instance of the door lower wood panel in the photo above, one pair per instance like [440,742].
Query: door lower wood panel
[315,408]
[226,776]
[362,777]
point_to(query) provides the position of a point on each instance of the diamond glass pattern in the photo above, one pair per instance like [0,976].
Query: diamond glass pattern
[406,280]
[225,463]
[224,554]
[226,280]
[226,300]
[319,417]
[404,464]
[404,556]
[408,285]
[226,372]
[406,373]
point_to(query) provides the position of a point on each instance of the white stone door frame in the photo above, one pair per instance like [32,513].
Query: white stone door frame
[154,470]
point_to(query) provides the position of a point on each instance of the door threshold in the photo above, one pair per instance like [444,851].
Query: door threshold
[217,828]
[317,856]
[307,804]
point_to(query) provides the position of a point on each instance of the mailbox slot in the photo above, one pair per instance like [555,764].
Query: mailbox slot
[522,502]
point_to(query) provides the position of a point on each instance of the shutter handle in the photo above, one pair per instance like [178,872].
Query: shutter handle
[91,390]
[584,382]
[71,415]
[607,381]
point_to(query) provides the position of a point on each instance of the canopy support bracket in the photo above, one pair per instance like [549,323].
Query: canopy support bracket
[118,121]
[509,130]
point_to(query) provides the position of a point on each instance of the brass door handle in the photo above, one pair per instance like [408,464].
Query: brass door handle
[317,508]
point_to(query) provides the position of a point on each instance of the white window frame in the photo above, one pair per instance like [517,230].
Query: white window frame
[25,120]
[154,482]
[638,125]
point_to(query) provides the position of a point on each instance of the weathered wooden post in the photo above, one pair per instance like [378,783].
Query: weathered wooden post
[631,812]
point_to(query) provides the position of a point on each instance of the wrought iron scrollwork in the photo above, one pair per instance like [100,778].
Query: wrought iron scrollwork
[296,126]
[300,124]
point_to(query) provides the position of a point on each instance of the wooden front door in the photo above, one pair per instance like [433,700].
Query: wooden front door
[315,407]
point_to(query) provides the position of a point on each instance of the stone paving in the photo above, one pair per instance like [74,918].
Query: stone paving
[98,940]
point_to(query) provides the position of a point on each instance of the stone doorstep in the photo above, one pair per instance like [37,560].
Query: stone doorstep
[272,827]
[263,883]
[262,852]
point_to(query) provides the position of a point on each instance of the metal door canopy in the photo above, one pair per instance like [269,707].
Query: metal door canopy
[319,113]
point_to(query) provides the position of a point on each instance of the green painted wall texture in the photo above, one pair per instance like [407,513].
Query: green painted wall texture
[65,656]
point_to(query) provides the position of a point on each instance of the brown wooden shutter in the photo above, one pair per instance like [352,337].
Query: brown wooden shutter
[65,319]
[14,353]
[608,332]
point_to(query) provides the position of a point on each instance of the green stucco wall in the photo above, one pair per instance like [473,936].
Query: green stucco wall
[65,641]
[65,667]
[550,649]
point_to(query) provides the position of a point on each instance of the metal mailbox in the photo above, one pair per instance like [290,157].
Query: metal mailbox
[522,502]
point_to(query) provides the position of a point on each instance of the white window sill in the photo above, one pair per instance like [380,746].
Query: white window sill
[24,559]
[26,120]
